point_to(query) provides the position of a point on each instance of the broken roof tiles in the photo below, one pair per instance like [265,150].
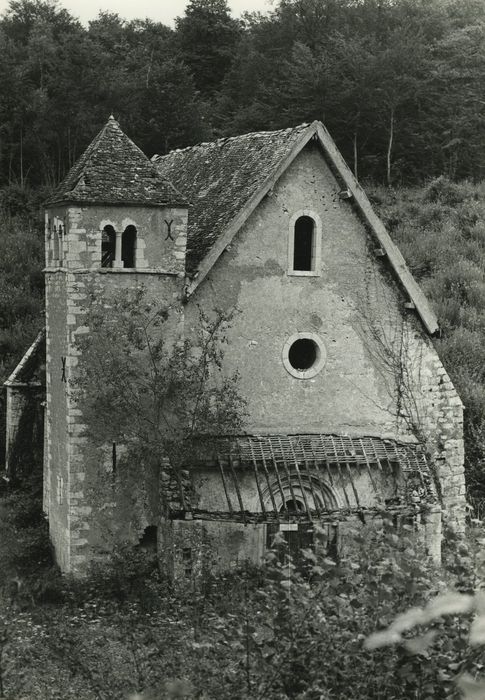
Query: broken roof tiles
[219,178]
[113,170]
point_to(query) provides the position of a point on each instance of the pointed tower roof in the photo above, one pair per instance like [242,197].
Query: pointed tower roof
[113,170]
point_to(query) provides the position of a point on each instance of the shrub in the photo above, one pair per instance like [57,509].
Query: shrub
[25,552]
[128,574]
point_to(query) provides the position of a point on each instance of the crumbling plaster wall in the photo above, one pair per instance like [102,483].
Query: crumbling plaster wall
[212,498]
[351,304]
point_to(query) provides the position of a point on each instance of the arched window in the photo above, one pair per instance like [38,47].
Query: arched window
[128,246]
[304,245]
[55,239]
[293,505]
[108,246]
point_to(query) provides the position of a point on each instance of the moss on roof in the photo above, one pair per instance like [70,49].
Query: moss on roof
[219,178]
[113,170]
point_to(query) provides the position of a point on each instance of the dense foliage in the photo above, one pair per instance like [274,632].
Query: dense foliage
[440,230]
[399,83]
[277,633]
[21,291]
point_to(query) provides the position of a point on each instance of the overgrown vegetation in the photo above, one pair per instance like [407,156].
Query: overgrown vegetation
[275,633]
[398,83]
[440,230]
[400,86]
[149,399]
[21,292]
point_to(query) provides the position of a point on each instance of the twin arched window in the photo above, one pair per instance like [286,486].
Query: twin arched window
[118,252]
[304,244]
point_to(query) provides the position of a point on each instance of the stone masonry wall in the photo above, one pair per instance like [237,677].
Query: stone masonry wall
[88,519]
[56,463]
[160,240]
[71,468]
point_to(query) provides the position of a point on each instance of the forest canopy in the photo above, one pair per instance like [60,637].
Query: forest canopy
[399,83]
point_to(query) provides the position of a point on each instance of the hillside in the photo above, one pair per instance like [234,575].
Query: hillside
[440,229]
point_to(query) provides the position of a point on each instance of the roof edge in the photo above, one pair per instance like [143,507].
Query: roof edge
[365,209]
[12,379]
[242,216]
[394,255]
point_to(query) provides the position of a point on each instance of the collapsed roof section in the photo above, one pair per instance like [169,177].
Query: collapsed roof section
[318,476]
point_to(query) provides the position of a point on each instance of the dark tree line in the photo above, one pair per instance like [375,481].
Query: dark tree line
[399,83]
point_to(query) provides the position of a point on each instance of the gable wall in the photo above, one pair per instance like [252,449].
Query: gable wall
[349,394]
[373,344]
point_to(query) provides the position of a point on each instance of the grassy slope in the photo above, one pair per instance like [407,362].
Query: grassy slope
[441,232]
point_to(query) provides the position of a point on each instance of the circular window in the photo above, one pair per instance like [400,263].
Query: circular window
[304,355]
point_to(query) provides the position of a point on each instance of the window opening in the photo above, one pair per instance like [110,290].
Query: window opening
[62,243]
[108,246]
[55,238]
[114,459]
[60,490]
[292,539]
[293,505]
[303,246]
[128,246]
[332,541]
[187,561]
[148,541]
[303,354]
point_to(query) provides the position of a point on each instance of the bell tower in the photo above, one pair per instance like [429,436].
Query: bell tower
[113,223]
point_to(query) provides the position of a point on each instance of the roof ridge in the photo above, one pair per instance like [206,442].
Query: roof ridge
[224,139]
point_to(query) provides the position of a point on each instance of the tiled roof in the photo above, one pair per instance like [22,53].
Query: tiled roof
[113,170]
[218,179]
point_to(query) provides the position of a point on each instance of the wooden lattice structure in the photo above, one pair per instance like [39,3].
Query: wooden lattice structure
[312,469]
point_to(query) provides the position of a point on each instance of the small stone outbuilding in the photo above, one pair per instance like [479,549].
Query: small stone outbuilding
[350,410]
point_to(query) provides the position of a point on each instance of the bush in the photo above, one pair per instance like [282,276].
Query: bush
[25,551]
[128,574]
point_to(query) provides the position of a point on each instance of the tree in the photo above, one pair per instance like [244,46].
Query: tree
[208,38]
[156,395]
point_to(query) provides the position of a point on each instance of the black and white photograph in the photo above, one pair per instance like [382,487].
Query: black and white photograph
[242,350]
